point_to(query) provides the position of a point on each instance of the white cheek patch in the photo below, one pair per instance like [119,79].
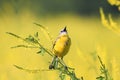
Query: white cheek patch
[63,33]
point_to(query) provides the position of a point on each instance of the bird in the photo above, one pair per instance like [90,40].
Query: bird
[61,46]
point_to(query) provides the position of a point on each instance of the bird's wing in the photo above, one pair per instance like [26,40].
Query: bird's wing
[68,42]
[55,42]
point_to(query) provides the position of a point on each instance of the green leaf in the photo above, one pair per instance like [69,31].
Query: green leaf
[100,78]
[28,70]
[39,25]
[45,31]
[25,46]
[31,39]
[36,34]
[62,77]
[42,51]
[18,67]
[14,35]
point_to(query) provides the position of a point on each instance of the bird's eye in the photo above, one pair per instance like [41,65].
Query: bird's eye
[62,31]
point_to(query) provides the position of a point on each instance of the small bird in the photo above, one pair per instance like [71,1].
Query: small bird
[61,46]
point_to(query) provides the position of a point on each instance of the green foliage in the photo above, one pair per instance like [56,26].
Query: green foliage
[114,3]
[104,72]
[45,31]
[31,39]
[34,42]
[41,51]
[100,78]
[28,70]
[108,22]
[14,35]
[25,46]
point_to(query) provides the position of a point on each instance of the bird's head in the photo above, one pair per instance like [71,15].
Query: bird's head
[63,31]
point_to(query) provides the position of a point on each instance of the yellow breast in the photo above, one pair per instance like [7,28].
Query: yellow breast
[61,46]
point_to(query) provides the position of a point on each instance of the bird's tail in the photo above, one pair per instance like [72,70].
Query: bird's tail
[54,63]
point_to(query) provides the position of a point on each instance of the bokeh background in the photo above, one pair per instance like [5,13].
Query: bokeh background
[82,18]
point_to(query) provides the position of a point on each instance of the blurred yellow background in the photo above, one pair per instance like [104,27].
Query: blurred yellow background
[89,39]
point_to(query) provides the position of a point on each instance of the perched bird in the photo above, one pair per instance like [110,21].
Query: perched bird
[61,46]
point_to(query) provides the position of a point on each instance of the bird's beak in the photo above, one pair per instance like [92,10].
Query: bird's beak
[65,29]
